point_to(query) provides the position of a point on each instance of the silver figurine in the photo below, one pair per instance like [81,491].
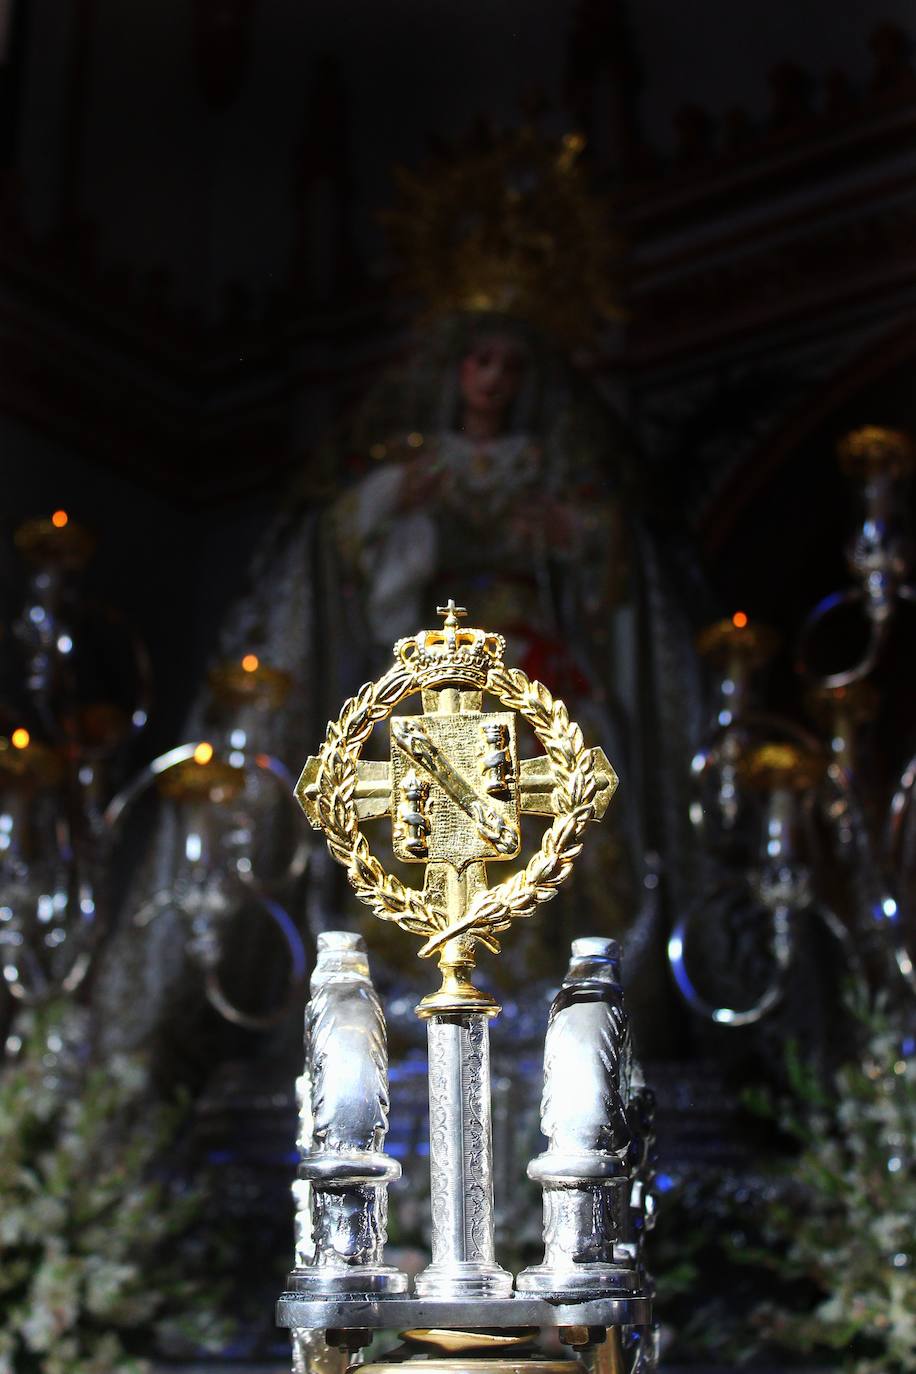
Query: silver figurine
[585,1171]
[343,1122]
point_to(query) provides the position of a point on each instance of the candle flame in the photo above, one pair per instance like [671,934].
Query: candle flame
[203,753]
[59,519]
[20,738]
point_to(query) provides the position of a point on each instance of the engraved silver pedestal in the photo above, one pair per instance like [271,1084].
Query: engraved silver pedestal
[461,1162]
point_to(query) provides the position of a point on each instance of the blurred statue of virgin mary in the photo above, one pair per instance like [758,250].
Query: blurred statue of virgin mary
[482,469]
[486,468]
[502,490]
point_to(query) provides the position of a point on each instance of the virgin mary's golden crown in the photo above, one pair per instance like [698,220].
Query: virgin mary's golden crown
[508,223]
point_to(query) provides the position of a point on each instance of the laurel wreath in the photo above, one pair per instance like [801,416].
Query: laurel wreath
[516,898]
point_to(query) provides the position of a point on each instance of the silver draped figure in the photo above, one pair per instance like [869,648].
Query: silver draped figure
[486,464]
[341,1217]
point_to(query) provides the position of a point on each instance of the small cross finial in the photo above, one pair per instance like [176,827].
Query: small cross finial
[451,612]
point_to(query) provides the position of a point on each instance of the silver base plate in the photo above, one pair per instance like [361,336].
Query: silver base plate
[576,1283]
[321,1281]
[406,1314]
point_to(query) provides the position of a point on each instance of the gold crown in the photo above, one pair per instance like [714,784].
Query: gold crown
[873,449]
[509,225]
[780,764]
[452,652]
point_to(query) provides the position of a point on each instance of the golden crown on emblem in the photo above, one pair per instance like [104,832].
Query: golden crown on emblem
[452,652]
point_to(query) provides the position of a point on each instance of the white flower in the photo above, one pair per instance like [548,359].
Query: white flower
[53,1300]
[105,1284]
[7,1351]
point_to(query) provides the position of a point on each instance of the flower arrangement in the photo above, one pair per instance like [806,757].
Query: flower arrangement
[846,1227]
[89,1223]
[816,1259]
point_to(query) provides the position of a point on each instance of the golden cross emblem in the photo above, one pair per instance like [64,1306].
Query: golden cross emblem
[455,790]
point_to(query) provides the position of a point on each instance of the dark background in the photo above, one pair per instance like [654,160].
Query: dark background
[193,279]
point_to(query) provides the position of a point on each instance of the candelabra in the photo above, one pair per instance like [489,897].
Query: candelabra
[87,689]
[227,855]
[736,652]
[775,888]
[455,811]
[778,809]
[879,554]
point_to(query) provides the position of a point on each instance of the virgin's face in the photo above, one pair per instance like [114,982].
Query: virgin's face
[491,375]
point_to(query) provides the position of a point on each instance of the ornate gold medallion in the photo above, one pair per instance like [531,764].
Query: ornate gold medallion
[456,791]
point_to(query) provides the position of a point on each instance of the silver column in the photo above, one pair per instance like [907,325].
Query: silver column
[584,1172]
[461,1162]
[342,1129]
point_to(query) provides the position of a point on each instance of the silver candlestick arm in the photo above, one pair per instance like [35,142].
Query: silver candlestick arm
[342,1127]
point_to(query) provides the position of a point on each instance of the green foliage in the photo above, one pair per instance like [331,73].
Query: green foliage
[846,1228]
[89,1230]
[818,1258]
